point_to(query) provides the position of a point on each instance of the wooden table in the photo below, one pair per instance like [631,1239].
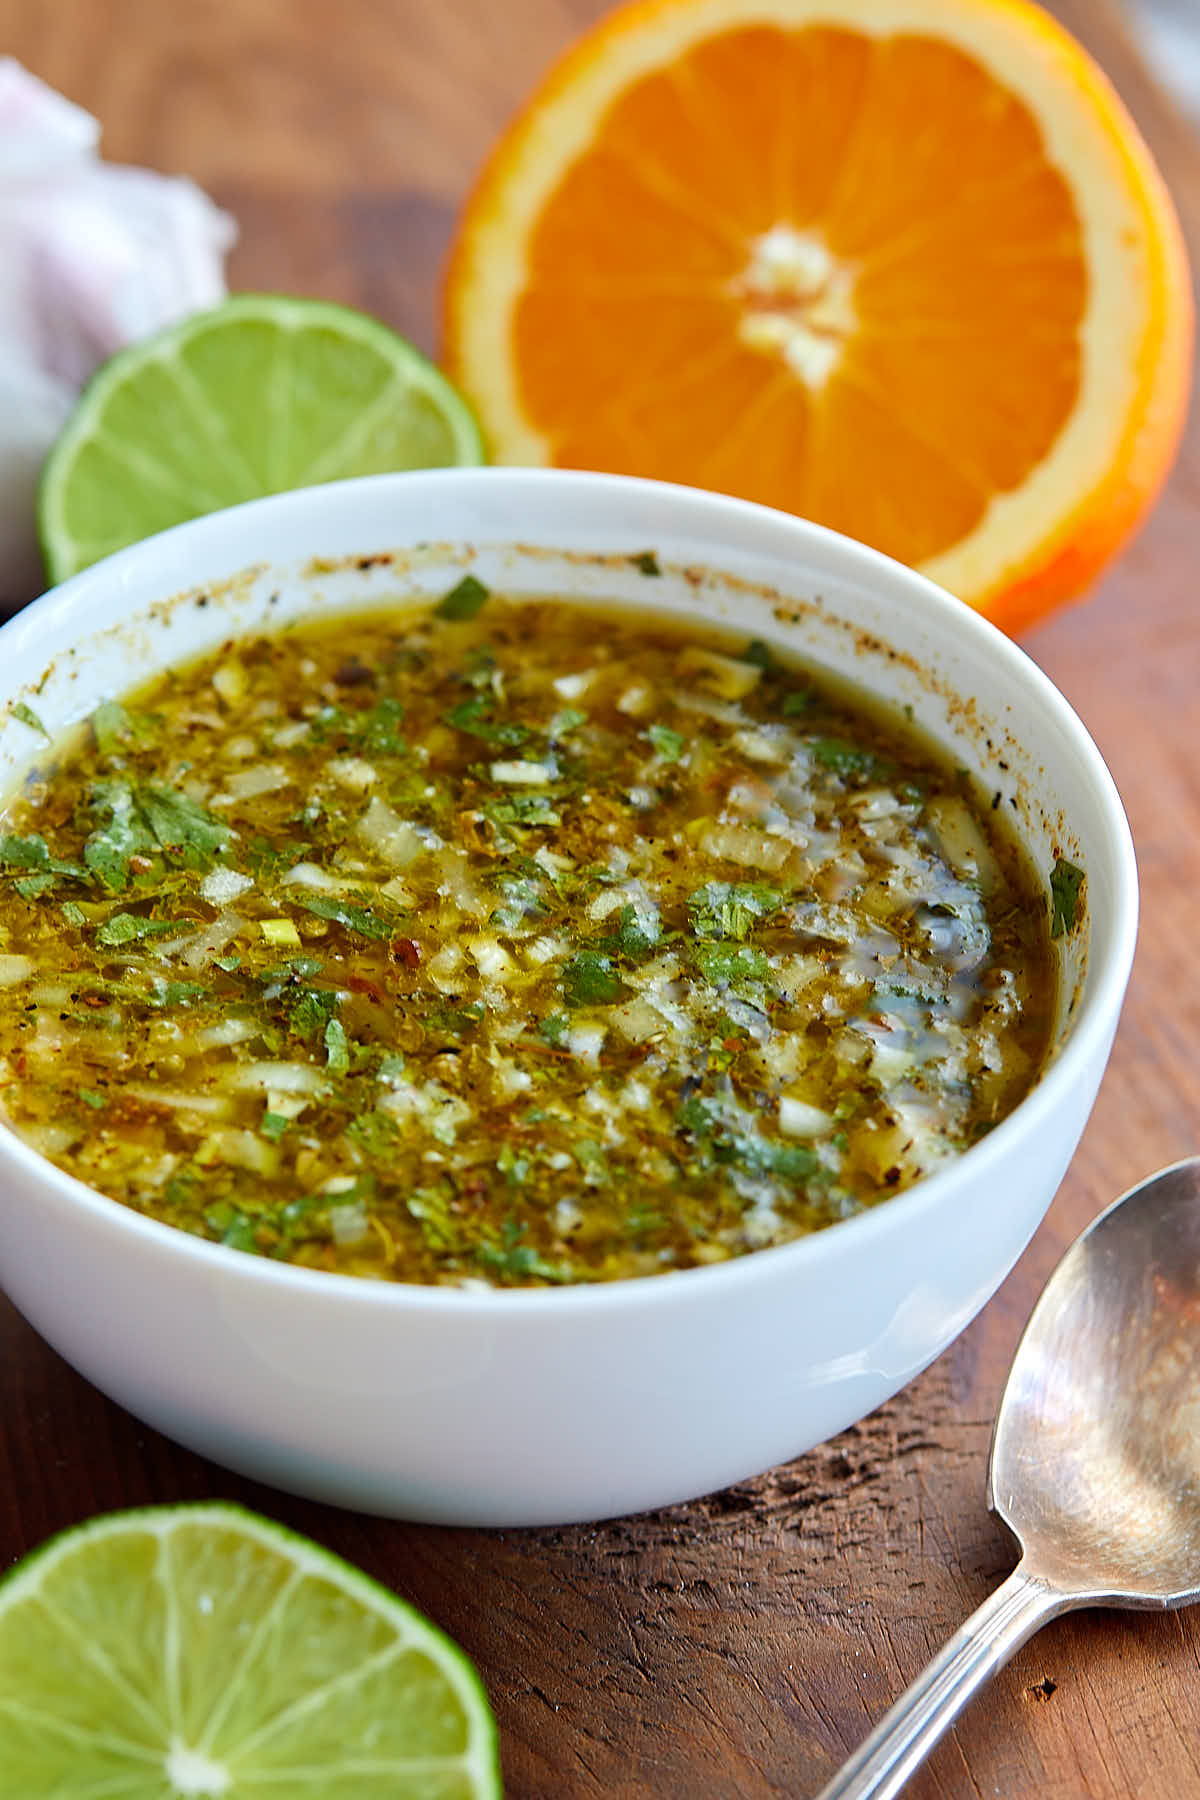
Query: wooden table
[741,1645]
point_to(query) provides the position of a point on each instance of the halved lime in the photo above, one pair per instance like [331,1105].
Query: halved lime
[183,1651]
[260,394]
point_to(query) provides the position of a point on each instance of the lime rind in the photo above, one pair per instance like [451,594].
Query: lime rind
[204,1649]
[259,395]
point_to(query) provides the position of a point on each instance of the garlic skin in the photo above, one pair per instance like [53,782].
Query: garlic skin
[92,256]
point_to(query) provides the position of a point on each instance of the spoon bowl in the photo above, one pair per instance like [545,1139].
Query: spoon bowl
[1095,1461]
[1095,1464]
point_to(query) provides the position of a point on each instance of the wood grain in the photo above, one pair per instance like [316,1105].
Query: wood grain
[742,1645]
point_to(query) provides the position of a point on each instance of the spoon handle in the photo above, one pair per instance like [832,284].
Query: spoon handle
[909,1730]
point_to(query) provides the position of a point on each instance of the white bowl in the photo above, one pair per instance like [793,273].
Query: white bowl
[524,1407]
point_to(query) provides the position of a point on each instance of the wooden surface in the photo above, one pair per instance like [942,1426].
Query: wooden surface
[741,1645]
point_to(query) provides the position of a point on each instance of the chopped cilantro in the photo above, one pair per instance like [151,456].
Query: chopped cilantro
[116,729]
[145,821]
[566,721]
[23,852]
[337,1048]
[374,1132]
[728,909]
[522,809]
[795,703]
[131,928]
[520,1261]
[1066,881]
[553,1030]
[668,744]
[759,653]
[381,733]
[31,853]
[181,826]
[352,918]
[592,1160]
[476,717]
[169,994]
[646,563]
[702,1120]
[430,1207]
[636,934]
[28,717]
[376,729]
[725,963]
[30,886]
[589,979]
[514,1167]
[463,601]
[843,757]
[72,914]
[309,1010]
[273,1125]
[91,1098]
[234,1228]
[455,1021]
[523,901]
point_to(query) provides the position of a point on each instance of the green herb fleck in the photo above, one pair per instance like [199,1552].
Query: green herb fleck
[23,852]
[374,1132]
[1066,881]
[455,1021]
[589,979]
[273,1125]
[646,563]
[668,744]
[337,1048]
[636,935]
[376,729]
[116,729]
[476,717]
[30,886]
[722,964]
[182,827]
[91,1098]
[430,1207]
[701,1119]
[352,918]
[309,1010]
[728,909]
[592,1160]
[514,1167]
[28,717]
[523,901]
[566,721]
[554,1029]
[510,1257]
[463,601]
[522,809]
[131,928]
[843,757]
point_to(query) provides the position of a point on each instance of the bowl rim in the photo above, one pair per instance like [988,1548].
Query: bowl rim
[135,570]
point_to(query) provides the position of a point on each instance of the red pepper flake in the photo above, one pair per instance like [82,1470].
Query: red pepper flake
[406,951]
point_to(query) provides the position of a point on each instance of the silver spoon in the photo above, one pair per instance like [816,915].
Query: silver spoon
[1095,1463]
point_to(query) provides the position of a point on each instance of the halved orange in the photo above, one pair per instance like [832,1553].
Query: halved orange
[902,266]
